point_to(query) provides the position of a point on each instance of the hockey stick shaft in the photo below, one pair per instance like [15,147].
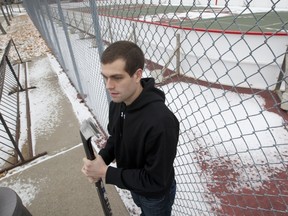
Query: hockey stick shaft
[86,134]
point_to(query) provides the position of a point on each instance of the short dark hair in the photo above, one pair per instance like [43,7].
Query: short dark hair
[126,50]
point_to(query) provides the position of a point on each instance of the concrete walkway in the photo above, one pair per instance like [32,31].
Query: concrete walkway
[55,183]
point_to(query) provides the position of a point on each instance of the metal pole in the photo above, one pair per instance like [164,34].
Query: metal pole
[13,72]
[5,17]
[11,137]
[19,7]
[7,10]
[44,29]
[97,30]
[16,50]
[284,98]
[2,29]
[178,54]
[55,35]
[70,48]
[11,9]
[97,27]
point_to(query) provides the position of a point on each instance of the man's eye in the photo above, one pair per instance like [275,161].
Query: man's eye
[117,78]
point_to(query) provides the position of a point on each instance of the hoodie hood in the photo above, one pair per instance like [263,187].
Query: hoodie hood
[148,95]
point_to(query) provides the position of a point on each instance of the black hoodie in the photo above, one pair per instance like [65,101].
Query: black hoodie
[143,141]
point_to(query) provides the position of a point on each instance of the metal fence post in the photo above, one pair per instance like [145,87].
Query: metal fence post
[7,10]
[284,96]
[41,16]
[2,29]
[32,11]
[98,36]
[5,17]
[55,35]
[13,72]
[17,51]
[70,48]
[11,137]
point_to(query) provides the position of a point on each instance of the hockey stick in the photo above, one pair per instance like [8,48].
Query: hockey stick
[88,130]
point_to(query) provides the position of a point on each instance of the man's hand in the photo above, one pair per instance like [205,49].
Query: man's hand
[94,170]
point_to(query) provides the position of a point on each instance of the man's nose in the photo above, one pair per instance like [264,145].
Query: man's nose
[109,84]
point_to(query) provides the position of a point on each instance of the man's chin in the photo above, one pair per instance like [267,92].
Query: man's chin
[116,100]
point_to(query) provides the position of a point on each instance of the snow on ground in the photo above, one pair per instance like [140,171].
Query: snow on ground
[25,190]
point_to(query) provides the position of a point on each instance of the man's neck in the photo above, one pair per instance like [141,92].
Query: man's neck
[135,96]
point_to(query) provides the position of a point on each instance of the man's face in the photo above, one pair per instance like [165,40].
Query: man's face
[120,85]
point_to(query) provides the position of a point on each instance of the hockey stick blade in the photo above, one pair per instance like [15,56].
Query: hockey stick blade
[87,130]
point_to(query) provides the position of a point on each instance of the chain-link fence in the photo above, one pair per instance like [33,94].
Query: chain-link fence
[223,67]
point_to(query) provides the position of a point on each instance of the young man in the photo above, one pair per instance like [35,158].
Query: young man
[143,133]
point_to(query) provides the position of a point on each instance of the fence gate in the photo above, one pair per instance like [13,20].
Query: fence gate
[11,154]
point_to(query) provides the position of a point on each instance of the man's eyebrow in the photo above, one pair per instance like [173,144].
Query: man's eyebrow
[114,75]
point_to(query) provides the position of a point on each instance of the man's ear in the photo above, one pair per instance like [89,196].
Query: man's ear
[138,74]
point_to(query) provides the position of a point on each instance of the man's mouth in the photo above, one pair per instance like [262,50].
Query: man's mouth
[113,94]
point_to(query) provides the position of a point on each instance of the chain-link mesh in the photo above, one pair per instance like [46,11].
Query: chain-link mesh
[223,67]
